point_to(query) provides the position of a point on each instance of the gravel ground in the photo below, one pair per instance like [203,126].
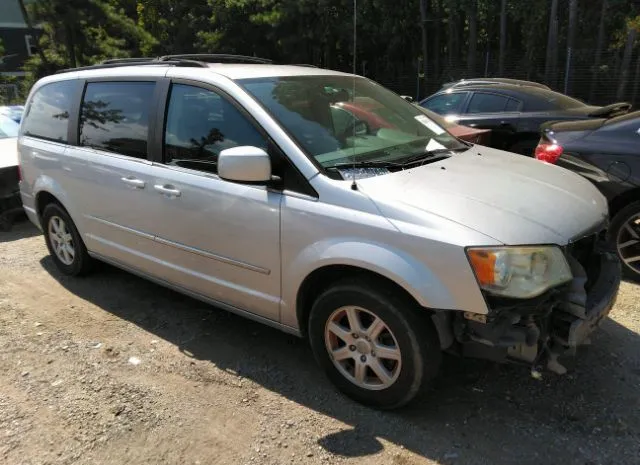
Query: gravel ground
[112,369]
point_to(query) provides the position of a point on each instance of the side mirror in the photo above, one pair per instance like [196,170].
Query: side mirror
[244,164]
[408,98]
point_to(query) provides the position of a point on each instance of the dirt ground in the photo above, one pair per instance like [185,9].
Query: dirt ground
[112,369]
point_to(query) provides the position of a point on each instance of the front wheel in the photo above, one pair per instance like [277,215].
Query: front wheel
[624,233]
[373,343]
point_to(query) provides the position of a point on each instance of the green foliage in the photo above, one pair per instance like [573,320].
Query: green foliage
[320,32]
[83,32]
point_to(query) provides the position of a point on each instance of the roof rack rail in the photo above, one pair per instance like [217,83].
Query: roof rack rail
[127,60]
[217,58]
[118,62]
[305,65]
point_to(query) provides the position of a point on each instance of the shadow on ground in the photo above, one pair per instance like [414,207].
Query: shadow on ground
[21,228]
[476,413]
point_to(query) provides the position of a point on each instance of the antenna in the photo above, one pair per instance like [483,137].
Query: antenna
[354,186]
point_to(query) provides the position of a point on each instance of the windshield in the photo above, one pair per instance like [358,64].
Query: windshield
[341,119]
[8,127]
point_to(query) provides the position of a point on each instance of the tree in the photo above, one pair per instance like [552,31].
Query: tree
[425,49]
[626,60]
[599,46]
[552,46]
[573,13]
[503,36]
[472,13]
[83,32]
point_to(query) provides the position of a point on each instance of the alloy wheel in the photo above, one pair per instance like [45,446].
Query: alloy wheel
[628,243]
[363,348]
[61,240]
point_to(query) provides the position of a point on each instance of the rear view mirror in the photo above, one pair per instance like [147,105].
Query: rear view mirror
[408,98]
[244,164]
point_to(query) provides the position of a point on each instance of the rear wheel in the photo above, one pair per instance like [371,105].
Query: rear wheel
[373,343]
[625,234]
[64,242]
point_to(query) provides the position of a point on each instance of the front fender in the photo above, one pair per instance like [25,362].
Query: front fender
[422,283]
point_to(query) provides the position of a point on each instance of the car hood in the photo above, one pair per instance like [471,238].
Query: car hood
[511,198]
[8,152]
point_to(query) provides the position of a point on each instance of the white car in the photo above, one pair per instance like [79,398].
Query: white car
[9,189]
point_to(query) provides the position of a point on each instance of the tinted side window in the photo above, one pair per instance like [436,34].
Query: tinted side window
[512,105]
[487,103]
[200,124]
[47,116]
[446,104]
[115,117]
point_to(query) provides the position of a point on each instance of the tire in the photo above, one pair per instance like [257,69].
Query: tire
[407,335]
[72,259]
[625,237]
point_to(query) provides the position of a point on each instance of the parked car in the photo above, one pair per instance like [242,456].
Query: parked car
[232,183]
[607,153]
[514,113]
[12,111]
[9,191]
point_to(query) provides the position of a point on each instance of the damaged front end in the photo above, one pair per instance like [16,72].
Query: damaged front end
[537,331]
[10,202]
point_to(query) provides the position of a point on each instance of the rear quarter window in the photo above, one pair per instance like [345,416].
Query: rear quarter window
[548,100]
[47,115]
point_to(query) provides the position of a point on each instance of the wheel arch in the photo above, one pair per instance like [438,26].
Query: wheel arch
[622,200]
[47,190]
[322,278]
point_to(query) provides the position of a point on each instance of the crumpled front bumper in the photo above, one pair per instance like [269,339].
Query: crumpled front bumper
[570,328]
[10,203]
[538,331]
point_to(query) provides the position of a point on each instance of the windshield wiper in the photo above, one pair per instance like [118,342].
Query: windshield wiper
[430,154]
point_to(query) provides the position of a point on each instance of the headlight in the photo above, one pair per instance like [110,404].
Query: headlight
[519,272]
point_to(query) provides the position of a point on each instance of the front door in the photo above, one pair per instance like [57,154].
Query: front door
[220,239]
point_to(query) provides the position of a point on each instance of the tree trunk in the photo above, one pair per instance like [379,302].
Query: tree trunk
[573,13]
[551,64]
[451,35]
[598,57]
[626,61]
[473,38]
[425,49]
[71,46]
[503,36]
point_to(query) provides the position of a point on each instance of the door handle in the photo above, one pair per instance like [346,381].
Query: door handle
[168,190]
[134,182]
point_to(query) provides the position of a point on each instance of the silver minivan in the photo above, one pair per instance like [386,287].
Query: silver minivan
[322,204]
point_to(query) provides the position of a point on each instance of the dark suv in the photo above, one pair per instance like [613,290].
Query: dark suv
[514,113]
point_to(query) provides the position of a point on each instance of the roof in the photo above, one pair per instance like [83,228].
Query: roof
[246,71]
[232,71]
